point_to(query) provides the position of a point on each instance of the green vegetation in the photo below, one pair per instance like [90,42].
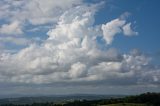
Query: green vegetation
[125,104]
[146,99]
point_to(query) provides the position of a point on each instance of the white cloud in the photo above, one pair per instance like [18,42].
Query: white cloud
[115,27]
[35,11]
[19,41]
[13,28]
[71,55]
[77,70]
[128,31]
[112,28]
[20,17]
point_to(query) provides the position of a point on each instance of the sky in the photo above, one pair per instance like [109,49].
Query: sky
[50,47]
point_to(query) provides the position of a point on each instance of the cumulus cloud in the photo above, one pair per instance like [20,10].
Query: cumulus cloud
[19,17]
[78,70]
[71,54]
[115,27]
[111,29]
[35,11]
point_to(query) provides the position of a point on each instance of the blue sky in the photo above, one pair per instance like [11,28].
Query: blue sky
[145,14]
[85,46]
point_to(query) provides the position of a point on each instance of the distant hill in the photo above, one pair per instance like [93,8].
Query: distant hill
[146,99]
[56,98]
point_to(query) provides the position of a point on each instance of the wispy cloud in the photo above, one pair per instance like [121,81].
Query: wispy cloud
[11,29]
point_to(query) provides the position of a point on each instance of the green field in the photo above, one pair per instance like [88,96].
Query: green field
[125,104]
